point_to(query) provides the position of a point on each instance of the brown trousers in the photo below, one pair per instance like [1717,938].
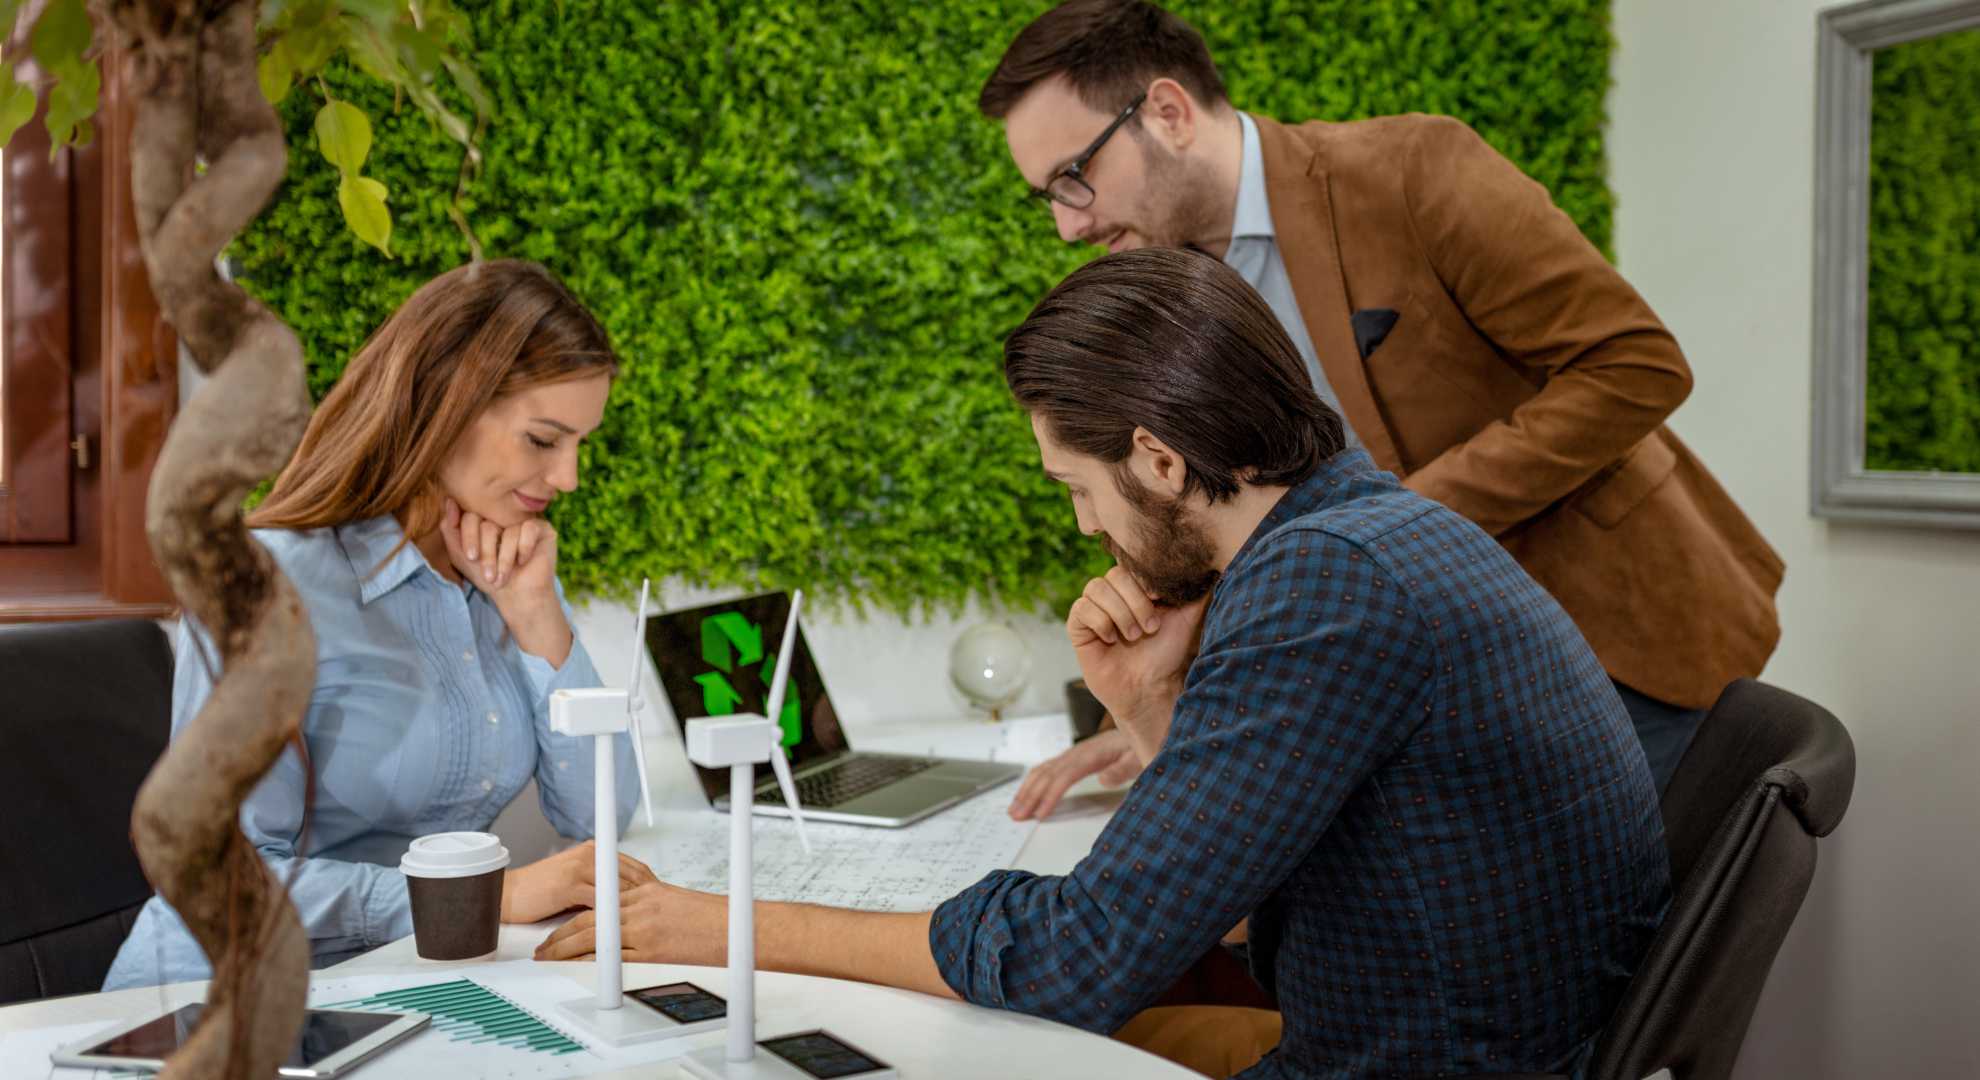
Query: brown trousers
[1215,1040]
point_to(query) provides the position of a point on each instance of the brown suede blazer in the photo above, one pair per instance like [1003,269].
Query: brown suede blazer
[1524,384]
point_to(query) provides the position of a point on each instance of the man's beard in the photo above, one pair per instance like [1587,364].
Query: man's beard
[1178,563]
[1176,200]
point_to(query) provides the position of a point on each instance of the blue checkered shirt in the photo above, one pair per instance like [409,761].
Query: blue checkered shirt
[1396,748]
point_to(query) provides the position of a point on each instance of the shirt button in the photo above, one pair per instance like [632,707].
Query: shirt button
[488,785]
[468,656]
[494,719]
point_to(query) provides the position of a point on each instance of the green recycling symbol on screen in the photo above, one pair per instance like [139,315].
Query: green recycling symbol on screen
[731,643]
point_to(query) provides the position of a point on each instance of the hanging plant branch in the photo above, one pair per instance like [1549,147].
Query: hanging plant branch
[197,100]
[207,153]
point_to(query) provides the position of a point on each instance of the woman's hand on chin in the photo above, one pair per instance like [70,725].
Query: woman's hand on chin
[516,566]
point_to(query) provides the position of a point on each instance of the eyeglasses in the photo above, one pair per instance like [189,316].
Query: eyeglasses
[1069,184]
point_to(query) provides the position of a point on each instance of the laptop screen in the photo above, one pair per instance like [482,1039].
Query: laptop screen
[718,660]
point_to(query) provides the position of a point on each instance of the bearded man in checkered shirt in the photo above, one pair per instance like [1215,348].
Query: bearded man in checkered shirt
[1363,731]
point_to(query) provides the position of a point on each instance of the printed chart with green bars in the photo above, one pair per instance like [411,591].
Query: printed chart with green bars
[469,1012]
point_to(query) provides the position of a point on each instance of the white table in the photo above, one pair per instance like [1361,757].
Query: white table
[920,1035]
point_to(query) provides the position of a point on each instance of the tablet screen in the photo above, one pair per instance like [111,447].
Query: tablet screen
[323,1035]
[683,1002]
[821,1055]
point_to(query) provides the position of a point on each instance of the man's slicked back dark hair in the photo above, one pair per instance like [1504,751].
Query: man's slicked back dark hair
[1110,50]
[1175,342]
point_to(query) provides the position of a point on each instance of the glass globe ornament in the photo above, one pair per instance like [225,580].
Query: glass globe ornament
[989,664]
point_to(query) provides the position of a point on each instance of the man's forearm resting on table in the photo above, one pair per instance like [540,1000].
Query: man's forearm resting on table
[889,948]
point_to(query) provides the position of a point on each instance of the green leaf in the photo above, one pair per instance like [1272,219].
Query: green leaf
[363,201]
[59,42]
[314,34]
[343,133]
[71,102]
[310,47]
[271,14]
[436,110]
[367,49]
[439,18]
[470,84]
[276,73]
[378,11]
[419,50]
[16,103]
[62,36]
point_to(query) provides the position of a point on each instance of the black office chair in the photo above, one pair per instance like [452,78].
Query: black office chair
[87,709]
[1767,773]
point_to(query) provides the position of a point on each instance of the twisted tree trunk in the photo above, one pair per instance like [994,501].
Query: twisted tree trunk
[192,74]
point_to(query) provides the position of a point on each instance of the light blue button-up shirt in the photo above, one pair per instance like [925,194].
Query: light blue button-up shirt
[426,717]
[1254,254]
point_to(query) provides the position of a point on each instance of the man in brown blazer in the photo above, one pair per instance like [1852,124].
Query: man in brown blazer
[1476,343]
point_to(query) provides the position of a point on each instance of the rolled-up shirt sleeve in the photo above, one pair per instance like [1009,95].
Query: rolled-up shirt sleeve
[564,763]
[1300,689]
[345,906]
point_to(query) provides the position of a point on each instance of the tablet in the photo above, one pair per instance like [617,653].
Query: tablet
[682,1002]
[828,1057]
[331,1043]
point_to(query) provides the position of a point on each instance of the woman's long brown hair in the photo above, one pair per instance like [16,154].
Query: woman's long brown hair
[376,444]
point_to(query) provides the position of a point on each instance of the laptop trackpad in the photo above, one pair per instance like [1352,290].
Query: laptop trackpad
[907,797]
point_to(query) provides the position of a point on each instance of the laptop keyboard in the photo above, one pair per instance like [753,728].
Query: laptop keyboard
[848,781]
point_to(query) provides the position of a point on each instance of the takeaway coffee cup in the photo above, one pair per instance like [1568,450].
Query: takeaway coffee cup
[454,880]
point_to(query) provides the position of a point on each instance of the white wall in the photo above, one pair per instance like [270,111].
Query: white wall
[1711,146]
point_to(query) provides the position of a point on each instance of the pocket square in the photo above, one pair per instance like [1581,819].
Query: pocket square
[1371,325]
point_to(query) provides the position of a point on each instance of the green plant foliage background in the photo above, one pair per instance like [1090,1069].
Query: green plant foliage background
[808,245]
[1923,407]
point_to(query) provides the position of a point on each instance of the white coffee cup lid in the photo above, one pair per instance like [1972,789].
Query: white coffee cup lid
[454,854]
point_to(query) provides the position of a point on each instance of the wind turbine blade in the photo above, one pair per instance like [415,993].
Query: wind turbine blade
[783,770]
[778,683]
[782,677]
[636,671]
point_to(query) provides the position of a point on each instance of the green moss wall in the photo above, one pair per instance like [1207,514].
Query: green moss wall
[1923,396]
[807,244]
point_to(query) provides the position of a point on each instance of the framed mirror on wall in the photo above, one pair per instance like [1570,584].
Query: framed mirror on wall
[1896,434]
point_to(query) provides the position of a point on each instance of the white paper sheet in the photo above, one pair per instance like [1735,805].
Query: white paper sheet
[433,1053]
[851,866]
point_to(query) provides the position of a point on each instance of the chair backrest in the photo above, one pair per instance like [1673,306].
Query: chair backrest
[1767,773]
[85,709]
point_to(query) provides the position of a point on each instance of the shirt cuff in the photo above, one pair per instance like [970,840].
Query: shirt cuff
[576,674]
[387,911]
[968,936]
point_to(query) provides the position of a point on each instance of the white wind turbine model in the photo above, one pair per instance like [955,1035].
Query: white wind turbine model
[740,743]
[604,713]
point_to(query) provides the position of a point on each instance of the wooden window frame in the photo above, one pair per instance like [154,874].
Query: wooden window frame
[36,462]
[123,376]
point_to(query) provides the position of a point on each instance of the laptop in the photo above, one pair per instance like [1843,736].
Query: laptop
[718,660]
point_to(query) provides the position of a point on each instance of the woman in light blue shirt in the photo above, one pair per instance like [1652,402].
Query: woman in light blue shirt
[410,522]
